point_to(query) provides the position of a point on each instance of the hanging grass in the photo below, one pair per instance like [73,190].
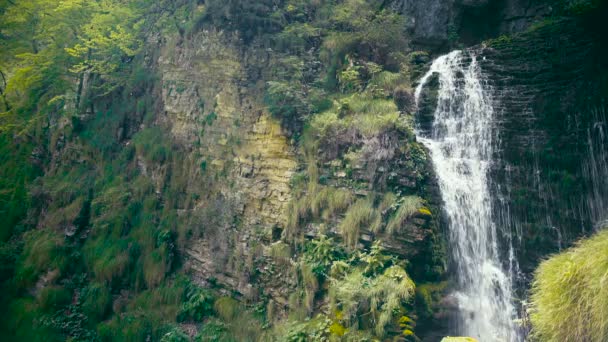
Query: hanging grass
[359,215]
[410,205]
[319,202]
[378,299]
[569,300]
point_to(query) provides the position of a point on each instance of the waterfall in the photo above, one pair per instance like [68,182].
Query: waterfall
[461,147]
[595,169]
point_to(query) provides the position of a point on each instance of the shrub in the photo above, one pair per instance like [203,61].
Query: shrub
[249,17]
[298,37]
[44,250]
[353,116]
[287,101]
[376,299]
[198,304]
[569,300]
[321,253]
[175,335]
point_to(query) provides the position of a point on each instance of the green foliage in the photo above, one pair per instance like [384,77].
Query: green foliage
[359,215]
[298,37]
[53,297]
[375,260]
[79,88]
[213,330]
[96,301]
[227,308]
[286,100]
[210,118]
[319,202]
[358,113]
[316,329]
[16,172]
[198,304]
[43,251]
[408,207]
[321,253]
[148,143]
[569,294]
[108,259]
[22,316]
[375,299]
[428,297]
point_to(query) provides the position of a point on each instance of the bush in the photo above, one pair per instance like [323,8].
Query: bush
[44,250]
[321,253]
[108,259]
[198,304]
[286,101]
[375,299]
[569,300]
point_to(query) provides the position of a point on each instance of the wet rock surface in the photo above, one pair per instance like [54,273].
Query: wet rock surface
[548,93]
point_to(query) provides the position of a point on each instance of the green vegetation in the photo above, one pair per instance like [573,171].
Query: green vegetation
[99,201]
[361,214]
[408,207]
[370,295]
[571,287]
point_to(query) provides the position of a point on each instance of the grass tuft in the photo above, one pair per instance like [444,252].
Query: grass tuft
[359,215]
[410,205]
[569,300]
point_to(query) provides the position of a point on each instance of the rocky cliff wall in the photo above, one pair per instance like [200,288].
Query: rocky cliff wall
[550,88]
[437,24]
[215,114]
[212,95]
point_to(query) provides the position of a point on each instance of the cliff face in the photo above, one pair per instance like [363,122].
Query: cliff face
[259,158]
[550,117]
[551,105]
[548,86]
[436,24]
[218,117]
[215,112]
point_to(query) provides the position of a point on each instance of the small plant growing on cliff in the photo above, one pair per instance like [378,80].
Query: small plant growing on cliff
[376,300]
[198,304]
[286,101]
[409,206]
[321,253]
[360,215]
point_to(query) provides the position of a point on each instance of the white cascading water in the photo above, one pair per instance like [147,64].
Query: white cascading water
[460,144]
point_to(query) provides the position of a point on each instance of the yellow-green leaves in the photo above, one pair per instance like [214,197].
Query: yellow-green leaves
[570,294]
[105,42]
